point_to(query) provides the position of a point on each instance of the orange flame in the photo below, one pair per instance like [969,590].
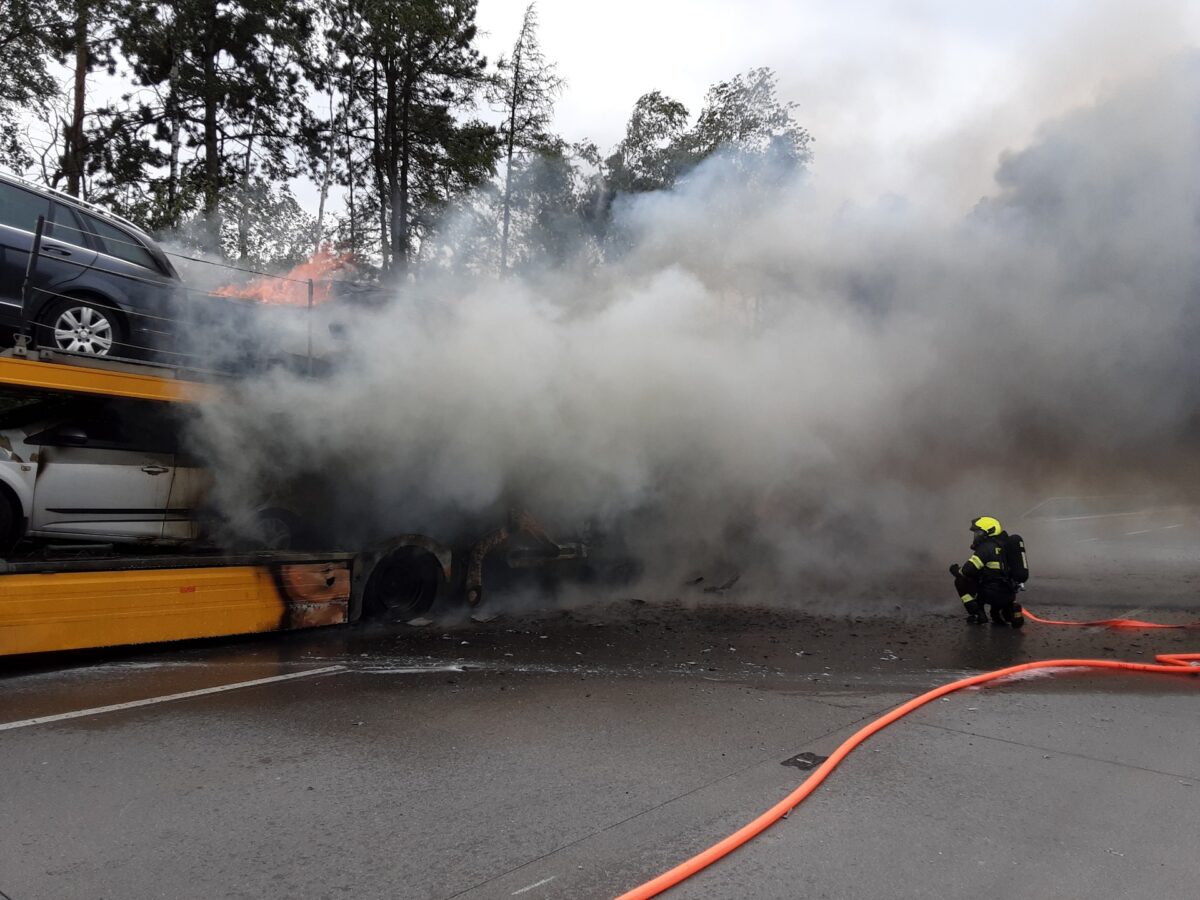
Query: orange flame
[292,289]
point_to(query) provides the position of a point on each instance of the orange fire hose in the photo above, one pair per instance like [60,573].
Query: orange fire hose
[1109,623]
[1167,664]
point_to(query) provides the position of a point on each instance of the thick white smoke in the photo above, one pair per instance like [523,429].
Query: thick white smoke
[772,376]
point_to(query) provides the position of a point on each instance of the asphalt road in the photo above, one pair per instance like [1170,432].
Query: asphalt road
[573,755]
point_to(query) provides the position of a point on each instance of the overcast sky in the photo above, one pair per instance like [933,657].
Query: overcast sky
[896,92]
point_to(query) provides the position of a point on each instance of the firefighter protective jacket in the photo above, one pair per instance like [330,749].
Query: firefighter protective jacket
[988,562]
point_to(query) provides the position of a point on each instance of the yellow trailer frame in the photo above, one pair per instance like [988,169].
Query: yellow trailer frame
[110,379]
[51,605]
[149,600]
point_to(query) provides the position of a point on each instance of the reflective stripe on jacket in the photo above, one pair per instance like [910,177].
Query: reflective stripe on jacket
[987,562]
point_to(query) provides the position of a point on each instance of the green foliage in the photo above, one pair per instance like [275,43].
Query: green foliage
[745,115]
[741,116]
[551,192]
[277,230]
[221,101]
[655,148]
[29,31]
[524,88]
[414,68]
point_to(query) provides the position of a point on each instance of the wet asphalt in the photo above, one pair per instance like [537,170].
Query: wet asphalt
[573,754]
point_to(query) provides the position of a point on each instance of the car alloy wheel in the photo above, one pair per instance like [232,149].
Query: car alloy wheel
[84,329]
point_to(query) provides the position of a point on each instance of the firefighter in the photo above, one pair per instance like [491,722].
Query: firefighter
[986,578]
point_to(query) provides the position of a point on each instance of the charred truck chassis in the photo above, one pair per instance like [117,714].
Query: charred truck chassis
[543,551]
[408,574]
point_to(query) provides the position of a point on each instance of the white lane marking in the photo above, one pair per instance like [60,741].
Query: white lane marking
[1089,518]
[1159,528]
[535,884]
[1132,533]
[149,701]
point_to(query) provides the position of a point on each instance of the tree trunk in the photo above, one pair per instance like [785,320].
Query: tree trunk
[244,205]
[326,175]
[172,110]
[73,157]
[400,234]
[381,156]
[350,210]
[350,165]
[212,150]
[512,138]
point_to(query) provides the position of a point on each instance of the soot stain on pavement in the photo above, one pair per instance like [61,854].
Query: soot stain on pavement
[766,649]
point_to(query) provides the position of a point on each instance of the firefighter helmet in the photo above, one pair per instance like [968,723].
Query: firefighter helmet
[987,525]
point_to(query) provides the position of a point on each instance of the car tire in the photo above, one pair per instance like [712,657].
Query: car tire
[81,325]
[11,521]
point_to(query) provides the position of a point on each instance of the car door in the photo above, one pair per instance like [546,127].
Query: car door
[19,210]
[189,488]
[65,252]
[105,473]
[143,289]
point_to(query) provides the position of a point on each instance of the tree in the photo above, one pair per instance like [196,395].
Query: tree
[227,84]
[424,67]
[335,67]
[28,32]
[89,44]
[653,151]
[525,86]
[552,191]
[744,114]
[266,226]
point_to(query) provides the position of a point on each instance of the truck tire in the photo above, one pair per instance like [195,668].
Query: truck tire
[405,583]
[11,520]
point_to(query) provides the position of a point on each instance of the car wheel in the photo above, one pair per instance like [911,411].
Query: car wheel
[10,521]
[82,326]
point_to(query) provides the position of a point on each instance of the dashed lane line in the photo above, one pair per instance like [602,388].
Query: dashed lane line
[166,698]
[536,884]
